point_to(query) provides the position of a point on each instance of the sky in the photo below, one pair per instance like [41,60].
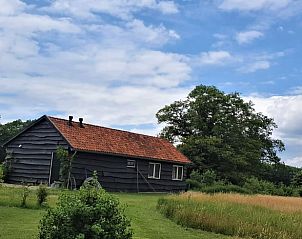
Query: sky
[117,62]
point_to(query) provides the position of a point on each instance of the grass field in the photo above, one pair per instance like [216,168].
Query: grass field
[258,216]
[147,222]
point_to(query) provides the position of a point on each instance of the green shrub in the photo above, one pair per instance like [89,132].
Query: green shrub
[41,195]
[207,178]
[89,213]
[24,195]
[227,188]
[2,173]
[193,184]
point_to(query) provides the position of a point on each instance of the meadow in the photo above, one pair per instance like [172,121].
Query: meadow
[246,216]
[146,221]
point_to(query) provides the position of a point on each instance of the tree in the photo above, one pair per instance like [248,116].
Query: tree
[297,179]
[9,130]
[221,132]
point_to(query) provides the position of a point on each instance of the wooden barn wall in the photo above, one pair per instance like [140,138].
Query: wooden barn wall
[115,176]
[31,162]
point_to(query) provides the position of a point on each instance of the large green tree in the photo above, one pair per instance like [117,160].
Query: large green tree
[9,130]
[222,132]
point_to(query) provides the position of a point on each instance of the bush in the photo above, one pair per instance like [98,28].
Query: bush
[193,184]
[89,213]
[41,195]
[207,178]
[24,195]
[227,188]
[2,173]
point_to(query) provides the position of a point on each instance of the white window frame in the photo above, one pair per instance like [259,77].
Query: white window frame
[133,161]
[153,176]
[177,171]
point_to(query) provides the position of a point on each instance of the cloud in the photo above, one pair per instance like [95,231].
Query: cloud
[248,36]
[287,113]
[109,72]
[120,9]
[11,7]
[95,102]
[254,62]
[254,5]
[214,57]
[255,66]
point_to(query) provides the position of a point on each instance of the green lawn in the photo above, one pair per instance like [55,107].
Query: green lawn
[147,222]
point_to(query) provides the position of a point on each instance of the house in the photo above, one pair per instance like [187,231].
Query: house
[124,161]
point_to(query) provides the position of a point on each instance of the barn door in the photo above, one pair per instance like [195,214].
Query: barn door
[54,169]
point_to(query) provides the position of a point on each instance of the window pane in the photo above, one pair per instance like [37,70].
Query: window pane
[157,170]
[131,163]
[174,172]
[180,172]
[150,171]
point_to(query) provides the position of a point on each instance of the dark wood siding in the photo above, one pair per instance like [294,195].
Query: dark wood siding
[32,152]
[114,174]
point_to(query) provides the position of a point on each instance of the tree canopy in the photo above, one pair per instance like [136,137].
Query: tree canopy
[222,132]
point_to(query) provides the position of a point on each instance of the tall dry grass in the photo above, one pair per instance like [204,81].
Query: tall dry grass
[278,203]
[261,217]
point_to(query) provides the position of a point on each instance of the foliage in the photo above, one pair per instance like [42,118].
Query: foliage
[2,173]
[257,186]
[9,130]
[221,132]
[91,213]
[65,165]
[24,195]
[226,188]
[297,179]
[207,178]
[232,218]
[6,165]
[41,195]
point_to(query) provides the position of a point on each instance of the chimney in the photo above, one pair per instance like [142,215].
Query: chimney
[70,120]
[81,122]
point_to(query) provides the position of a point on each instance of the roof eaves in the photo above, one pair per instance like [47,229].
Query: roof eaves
[132,156]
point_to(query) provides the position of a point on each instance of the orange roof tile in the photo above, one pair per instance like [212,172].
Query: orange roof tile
[106,140]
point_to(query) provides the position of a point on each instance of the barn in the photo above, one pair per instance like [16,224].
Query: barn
[125,161]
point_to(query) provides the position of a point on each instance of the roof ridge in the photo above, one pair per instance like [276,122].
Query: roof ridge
[120,130]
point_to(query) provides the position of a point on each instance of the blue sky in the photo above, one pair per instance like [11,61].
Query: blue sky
[117,62]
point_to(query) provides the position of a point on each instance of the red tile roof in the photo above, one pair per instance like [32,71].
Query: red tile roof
[99,139]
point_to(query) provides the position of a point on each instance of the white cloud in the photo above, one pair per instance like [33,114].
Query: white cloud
[255,66]
[287,113]
[296,161]
[117,8]
[167,7]
[11,7]
[254,62]
[253,5]
[214,57]
[108,72]
[248,36]
[95,102]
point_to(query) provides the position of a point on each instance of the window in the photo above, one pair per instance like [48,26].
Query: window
[130,163]
[154,170]
[177,172]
